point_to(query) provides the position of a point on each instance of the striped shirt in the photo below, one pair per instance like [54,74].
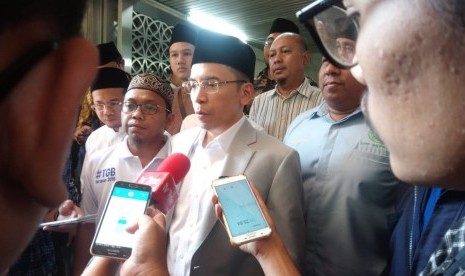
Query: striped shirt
[275,112]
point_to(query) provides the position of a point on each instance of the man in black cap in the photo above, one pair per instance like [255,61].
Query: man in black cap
[110,56]
[108,91]
[87,122]
[181,49]
[293,94]
[226,144]
[264,81]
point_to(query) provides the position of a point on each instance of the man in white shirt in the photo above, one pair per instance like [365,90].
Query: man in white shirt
[108,92]
[146,113]
[226,144]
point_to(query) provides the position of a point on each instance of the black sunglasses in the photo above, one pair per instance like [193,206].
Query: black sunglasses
[15,72]
[333,30]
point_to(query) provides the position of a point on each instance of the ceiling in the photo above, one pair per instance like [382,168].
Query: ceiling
[254,17]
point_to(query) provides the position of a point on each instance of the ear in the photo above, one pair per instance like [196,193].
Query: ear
[44,107]
[247,93]
[306,57]
[169,120]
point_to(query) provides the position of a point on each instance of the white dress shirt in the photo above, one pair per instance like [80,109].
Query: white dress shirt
[190,224]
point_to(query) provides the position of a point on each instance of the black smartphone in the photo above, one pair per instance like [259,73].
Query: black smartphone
[243,217]
[125,204]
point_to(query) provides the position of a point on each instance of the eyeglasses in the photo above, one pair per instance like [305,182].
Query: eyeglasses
[335,32]
[268,42]
[208,86]
[110,106]
[15,72]
[147,109]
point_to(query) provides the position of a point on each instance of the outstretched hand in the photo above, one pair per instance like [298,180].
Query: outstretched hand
[270,251]
[253,247]
[148,255]
[66,210]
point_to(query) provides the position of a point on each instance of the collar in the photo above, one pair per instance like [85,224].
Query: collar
[109,129]
[323,111]
[173,86]
[224,140]
[305,89]
[161,155]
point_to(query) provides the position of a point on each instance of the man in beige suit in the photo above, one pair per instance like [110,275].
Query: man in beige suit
[226,144]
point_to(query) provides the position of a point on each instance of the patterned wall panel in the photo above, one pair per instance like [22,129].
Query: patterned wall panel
[150,38]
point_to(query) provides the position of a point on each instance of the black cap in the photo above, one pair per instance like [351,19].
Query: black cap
[224,49]
[282,25]
[183,33]
[109,77]
[108,53]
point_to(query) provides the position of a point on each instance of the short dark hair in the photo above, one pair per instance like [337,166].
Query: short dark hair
[64,17]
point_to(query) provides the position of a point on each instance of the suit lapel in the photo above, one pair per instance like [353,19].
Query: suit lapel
[237,159]
[240,152]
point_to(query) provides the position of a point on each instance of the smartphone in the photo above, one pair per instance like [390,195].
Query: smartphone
[125,204]
[75,220]
[243,217]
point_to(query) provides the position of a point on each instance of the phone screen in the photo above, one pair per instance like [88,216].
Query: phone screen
[125,205]
[240,208]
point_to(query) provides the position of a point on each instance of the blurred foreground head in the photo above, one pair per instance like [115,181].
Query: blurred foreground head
[411,57]
[45,68]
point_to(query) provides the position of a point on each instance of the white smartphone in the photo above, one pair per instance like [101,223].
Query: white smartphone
[125,204]
[74,220]
[243,217]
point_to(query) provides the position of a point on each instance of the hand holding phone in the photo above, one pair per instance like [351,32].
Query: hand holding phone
[242,215]
[126,203]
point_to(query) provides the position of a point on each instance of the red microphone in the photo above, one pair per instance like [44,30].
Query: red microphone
[164,179]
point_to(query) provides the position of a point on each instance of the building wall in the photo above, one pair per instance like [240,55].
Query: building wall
[141,29]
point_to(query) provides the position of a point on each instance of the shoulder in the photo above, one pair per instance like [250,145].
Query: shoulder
[99,131]
[186,134]
[259,101]
[182,141]
[101,155]
[305,116]
[301,123]
[270,145]
[95,136]
[265,95]
[310,89]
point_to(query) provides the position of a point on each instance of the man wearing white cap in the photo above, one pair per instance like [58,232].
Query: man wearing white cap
[146,113]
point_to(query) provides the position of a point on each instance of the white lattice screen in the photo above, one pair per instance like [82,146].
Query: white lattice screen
[150,38]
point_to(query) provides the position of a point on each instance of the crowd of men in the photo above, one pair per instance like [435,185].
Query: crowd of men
[342,171]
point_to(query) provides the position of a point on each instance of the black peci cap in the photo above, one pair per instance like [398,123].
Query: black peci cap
[109,77]
[282,25]
[108,52]
[183,33]
[223,49]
